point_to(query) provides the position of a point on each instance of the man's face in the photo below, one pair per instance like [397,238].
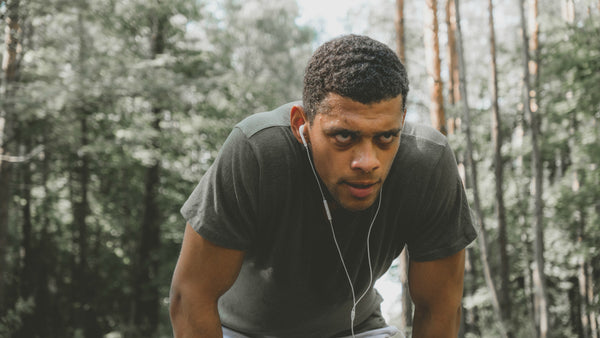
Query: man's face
[353,147]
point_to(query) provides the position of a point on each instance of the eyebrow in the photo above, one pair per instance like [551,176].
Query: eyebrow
[390,131]
[355,133]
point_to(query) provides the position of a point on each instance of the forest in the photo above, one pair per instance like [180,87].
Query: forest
[111,111]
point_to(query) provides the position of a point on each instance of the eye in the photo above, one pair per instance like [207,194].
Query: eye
[343,137]
[386,138]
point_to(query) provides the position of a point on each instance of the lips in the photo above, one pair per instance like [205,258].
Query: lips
[361,189]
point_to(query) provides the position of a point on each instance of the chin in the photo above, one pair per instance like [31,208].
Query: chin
[357,206]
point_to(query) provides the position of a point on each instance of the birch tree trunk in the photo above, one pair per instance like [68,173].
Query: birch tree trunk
[10,67]
[582,276]
[568,10]
[504,295]
[482,240]
[432,56]
[531,108]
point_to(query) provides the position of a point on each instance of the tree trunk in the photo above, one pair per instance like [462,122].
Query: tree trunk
[483,246]
[5,197]
[43,297]
[583,277]
[594,318]
[146,297]
[10,67]
[82,277]
[568,10]
[407,306]
[400,38]
[527,286]
[470,316]
[28,267]
[582,273]
[504,295]
[529,93]
[590,296]
[453,76]
[432,56]
[28,279]
[575,307]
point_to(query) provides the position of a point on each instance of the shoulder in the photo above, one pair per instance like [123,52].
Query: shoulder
[422,148]
[424,164]
[269,135]
[259,137]
[259,122]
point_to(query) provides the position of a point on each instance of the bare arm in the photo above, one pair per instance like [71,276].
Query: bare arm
[436,288]
[203,273]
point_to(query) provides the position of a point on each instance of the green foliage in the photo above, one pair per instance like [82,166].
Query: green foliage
[90,91]
[12,320]
[569,107]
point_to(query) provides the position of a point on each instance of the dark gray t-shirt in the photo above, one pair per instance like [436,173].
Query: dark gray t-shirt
[260,196]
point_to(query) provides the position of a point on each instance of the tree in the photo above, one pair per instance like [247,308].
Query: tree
[531,108]
[121,107]
[453,74]
[80,186]
[146,293]
[399,24]
[504,292]
[570,100]
[403,260]
[432,55]
[10,69]
[483,242]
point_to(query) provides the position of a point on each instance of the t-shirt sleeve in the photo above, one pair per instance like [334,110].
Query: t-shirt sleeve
[222,208]
[443,220]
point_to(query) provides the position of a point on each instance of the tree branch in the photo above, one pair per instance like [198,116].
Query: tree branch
[22,158]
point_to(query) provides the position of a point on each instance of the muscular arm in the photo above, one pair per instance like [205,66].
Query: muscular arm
[436,288]
[203,273]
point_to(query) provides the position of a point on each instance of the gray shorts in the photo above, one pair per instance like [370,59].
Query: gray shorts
[384,332]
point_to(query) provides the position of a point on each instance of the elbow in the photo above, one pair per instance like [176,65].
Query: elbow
[457,319]
[174,304]
[176,311]
[193,314]
[436,321]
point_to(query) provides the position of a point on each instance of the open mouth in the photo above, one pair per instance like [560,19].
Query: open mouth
[361,190]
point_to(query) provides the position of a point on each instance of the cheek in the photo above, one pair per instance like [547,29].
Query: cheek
[329,163]
[388,160]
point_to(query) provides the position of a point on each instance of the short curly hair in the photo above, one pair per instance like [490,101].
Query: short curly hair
[356,67]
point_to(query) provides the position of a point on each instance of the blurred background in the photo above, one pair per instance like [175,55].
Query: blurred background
[111,111]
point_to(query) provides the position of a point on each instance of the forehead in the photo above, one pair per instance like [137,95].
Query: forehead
[339,111]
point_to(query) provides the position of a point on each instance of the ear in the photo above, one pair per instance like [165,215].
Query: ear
[298,118]
[403,118]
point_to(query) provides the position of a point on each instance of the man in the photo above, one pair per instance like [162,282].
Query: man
[307,205]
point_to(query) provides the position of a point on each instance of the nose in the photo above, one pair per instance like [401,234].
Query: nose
[365,158]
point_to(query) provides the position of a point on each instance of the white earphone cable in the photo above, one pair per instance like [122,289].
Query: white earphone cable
[330,219]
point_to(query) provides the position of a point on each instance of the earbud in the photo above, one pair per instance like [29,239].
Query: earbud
[330,219]
[301,130]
